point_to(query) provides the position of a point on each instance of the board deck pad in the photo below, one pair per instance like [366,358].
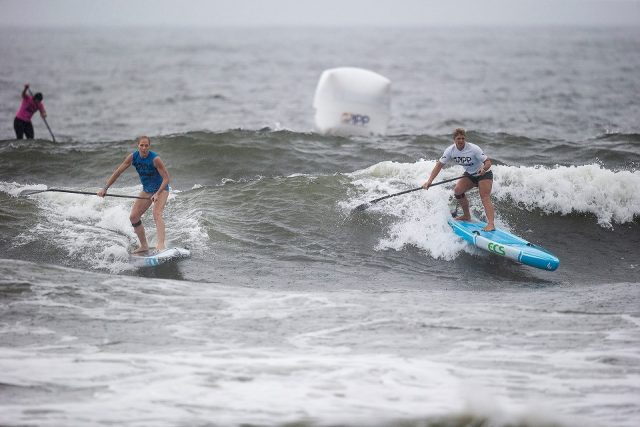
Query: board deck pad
[504,244]
[153,257]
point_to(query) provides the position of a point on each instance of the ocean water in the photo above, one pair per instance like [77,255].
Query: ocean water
[293,308]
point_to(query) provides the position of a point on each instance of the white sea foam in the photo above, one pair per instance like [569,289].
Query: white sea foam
[421,217]
[237,355]
[611,196]
[98,231]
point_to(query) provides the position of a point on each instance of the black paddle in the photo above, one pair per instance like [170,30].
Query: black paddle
[367,204]
[84,192]
[45,120]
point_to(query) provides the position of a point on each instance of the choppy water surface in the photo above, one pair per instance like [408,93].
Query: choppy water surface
[293,307]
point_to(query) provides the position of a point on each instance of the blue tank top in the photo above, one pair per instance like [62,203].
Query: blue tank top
[149,175]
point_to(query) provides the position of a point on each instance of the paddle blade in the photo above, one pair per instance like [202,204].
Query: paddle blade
[362,206]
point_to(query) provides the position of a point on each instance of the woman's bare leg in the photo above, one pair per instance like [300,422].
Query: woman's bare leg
[139,208]
[484,187]
[158,210]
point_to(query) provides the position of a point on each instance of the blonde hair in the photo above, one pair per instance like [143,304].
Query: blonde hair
[459,131]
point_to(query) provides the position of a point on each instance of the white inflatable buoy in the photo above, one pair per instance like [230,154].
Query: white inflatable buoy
[352,101]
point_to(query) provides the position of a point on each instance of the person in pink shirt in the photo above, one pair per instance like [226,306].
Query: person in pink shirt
[22,123]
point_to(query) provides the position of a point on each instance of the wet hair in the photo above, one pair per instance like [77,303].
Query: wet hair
[141,137]
[459,131]
[38,97]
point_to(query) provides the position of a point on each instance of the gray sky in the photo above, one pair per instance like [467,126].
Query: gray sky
[217,13]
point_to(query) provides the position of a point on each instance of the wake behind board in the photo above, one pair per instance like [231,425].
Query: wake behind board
[505,244]
[153,257]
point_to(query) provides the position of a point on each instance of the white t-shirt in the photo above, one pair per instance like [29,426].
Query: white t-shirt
[470,157]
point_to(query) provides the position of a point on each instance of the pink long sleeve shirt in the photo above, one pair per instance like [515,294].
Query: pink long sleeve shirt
[28,107]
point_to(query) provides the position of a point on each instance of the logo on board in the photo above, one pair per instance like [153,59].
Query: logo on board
[496,248]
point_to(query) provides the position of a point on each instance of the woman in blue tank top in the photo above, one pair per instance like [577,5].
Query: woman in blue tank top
[149,175]
[155,190]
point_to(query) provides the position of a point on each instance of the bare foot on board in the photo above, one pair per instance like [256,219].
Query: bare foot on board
[463,218]
[140,250]
[489,227]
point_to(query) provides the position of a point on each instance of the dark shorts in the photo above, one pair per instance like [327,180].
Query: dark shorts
[22,128]
[150,190]
[476,179]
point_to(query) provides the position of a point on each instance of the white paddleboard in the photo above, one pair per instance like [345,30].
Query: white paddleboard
[153,257]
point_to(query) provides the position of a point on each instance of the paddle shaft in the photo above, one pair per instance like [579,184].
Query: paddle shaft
[363,206]
[394,195]
[56,190]
[45,120]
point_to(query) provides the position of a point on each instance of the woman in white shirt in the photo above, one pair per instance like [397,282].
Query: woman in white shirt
[477,174]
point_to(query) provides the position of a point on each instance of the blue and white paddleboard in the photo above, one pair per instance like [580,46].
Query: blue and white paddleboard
[153,257]
[505,244]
